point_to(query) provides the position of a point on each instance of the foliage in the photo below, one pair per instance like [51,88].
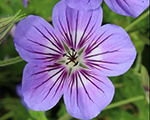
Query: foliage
[132,84]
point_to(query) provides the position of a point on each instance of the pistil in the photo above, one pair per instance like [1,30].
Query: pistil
[72,57]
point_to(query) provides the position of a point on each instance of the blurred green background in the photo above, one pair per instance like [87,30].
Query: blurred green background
[132,89]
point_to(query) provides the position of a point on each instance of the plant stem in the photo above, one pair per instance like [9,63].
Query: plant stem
[118,85]
[10,61]
[113,105]
[138,62]
[123,102]
[137,21]
[65,117]
[7,116]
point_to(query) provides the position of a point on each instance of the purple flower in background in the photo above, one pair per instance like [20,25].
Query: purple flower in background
[25,3]
[19,93]
[72,59]
[124,7]
[84,4]
[12,31]
[128,7]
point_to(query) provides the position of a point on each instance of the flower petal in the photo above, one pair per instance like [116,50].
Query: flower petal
[84,4]
[36,41]
[42,87]
[110,51]
[128,7]
[25,3]
[87,94]
[19,93]
[75,26]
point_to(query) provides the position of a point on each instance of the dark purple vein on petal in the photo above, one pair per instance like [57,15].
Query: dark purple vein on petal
[101,53]
[101,61]
[71,39]
[81,39]
[53,85]
[88,1]
[41,53]
[76,28]
[90,33]
[55,38]
[44,46]
[71,83]
[84,87]
[49,78]
[48,58]
[95,65]
[48,70]
[61,83]
[47,38]
[90,75]
[76,78]
[92,82]
[88,36]
[101,42]
[60,44]
[124,2]
[65,35]
[91,46]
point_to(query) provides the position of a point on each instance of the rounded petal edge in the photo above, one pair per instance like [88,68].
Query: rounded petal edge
[87,96]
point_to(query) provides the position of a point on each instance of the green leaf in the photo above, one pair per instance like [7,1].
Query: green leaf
[132,87]
[7,22]
[62,111]
[15,106]
[144,76]
[119,114]
[10,61]
[37,115]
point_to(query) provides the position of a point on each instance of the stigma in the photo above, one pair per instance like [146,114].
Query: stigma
[71,57]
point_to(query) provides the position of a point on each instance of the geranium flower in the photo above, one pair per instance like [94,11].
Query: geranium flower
[72,59]
[19,93]
[25,3]
[124,7]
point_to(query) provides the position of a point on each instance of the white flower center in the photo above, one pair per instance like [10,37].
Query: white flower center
[72,59]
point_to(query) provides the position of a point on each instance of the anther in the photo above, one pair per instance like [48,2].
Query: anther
[76,63]
[68,62]
[75,54]
[71,57]
[72,49]
[64,55]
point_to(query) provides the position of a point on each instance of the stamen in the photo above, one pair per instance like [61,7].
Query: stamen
[68,62]
[75,54]
[72,49]
[76,63]
[65,55]
[71,57]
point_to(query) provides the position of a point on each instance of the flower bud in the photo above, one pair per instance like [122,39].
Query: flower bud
[6,23]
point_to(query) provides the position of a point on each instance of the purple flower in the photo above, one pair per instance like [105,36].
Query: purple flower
[128,7]
[12,31]
[84,4]
[25,3]
[19,93]
[72,59]
[124,7]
